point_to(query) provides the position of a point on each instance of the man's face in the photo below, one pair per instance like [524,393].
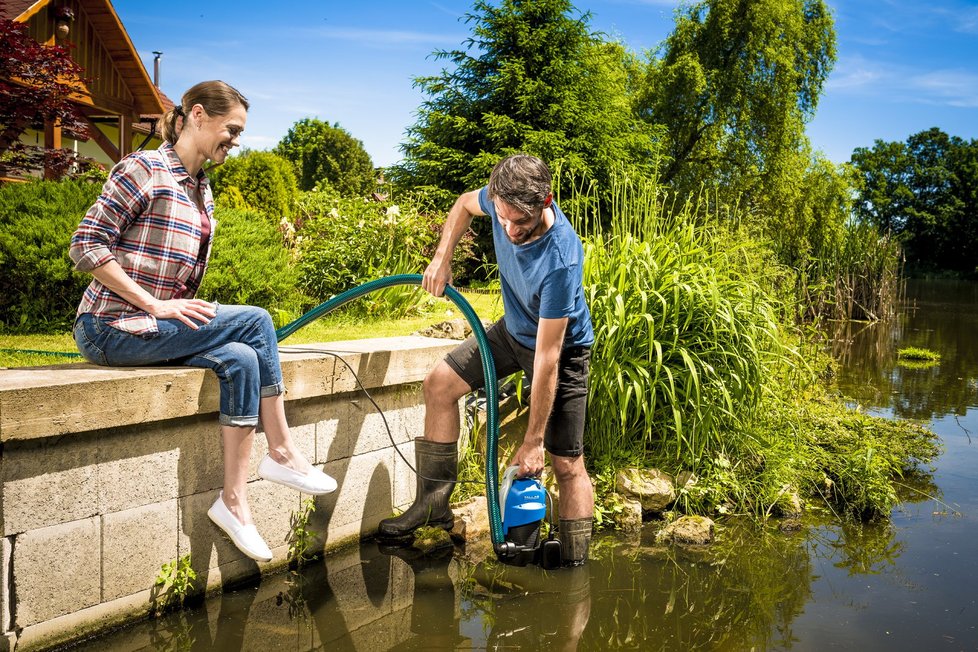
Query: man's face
[520,227]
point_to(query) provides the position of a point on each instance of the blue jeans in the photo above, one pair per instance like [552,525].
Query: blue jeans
[239,344]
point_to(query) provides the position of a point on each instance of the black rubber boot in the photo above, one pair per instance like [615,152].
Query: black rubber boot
[437,461]
[575,537]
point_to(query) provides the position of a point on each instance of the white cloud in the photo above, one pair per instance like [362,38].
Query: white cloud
[859,73]
[967,21]
[383,37]
[858,76]
[952,87]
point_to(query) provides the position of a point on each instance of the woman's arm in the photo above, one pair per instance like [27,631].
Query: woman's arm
[112,276]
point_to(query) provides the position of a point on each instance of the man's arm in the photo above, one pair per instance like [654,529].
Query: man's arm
[439,271]
[546,362]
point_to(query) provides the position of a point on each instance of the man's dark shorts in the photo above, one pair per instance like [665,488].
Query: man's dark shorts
[565,428]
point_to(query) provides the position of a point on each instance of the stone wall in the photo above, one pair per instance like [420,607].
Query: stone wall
[107,474]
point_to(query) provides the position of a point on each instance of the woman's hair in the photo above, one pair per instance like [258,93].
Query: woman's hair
[522,181]
[217,98]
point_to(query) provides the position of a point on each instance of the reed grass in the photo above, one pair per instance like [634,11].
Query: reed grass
[698,365]
[859,278]
[682,334]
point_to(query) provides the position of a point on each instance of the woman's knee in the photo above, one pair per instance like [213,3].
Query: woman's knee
[237,358]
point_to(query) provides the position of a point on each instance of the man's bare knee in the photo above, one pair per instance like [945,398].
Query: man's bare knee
[443,386]
[568,469]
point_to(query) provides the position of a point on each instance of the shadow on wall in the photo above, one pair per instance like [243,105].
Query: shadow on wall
[341,433]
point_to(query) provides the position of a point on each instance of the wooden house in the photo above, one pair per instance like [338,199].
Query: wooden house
[120,102]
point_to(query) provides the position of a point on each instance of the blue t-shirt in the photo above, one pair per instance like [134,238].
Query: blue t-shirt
[542,280]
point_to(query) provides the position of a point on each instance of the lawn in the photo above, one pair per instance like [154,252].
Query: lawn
[335,327]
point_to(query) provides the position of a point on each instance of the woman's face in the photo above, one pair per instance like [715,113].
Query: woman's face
[216,135]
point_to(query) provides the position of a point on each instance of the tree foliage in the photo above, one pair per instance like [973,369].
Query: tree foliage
[36,83]
[323,153]
[734,85]
[532,77]
[924,191]
[261,181]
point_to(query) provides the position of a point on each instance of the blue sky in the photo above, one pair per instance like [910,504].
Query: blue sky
[903,66]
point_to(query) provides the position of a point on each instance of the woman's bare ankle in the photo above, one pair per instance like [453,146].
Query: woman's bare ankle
[290,457]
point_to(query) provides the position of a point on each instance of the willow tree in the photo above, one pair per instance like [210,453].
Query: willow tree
[734,86]
[532,77]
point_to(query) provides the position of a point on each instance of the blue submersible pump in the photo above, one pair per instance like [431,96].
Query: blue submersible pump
[523,506]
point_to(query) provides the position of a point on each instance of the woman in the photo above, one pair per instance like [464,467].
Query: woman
[146,242]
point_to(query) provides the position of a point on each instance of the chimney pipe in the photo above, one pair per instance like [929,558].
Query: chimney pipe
[156,67]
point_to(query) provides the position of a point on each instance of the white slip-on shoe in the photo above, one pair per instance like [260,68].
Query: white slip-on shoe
[314,483]
[244,537]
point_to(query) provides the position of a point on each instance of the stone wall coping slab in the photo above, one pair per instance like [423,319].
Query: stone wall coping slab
[38,402]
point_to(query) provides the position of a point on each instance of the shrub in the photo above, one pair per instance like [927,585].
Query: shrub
[39,291]
[251,265]
[345,242]
[265,182]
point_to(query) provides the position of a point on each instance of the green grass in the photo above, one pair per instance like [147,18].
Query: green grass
[915,353]
[335,327]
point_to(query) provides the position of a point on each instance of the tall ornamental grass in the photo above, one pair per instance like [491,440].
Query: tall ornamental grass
[692,370]
[683,335]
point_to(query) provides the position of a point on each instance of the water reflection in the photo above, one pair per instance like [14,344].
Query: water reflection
[937,315]
[743,593]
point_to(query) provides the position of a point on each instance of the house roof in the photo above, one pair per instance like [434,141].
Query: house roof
[13,9]
[148,99]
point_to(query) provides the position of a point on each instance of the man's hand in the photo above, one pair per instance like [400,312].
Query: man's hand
[436,276]
[184,310]
[529,458]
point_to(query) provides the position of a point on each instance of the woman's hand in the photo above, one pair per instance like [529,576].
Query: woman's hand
[185,310]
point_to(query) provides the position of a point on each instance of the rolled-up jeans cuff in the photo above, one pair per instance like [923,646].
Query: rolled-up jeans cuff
[238,421]
[272,390]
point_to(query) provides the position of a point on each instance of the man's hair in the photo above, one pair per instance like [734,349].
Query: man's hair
[522,181]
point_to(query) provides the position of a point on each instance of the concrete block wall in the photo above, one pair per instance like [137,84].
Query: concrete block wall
[107,474]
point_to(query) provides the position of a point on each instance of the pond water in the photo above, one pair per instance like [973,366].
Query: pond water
[910,584]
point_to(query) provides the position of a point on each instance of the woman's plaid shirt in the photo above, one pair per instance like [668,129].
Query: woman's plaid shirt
[144,220]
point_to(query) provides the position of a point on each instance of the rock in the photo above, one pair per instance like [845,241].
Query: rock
[471,519]
[453,329]
[792,506]
[630,517]
[688,530]
[428,539]
[788,503]
[789,525]
[651,487]
[684,480]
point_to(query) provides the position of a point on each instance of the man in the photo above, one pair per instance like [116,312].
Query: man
[545,331]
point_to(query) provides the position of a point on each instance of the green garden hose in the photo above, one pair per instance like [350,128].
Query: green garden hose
[488,370]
